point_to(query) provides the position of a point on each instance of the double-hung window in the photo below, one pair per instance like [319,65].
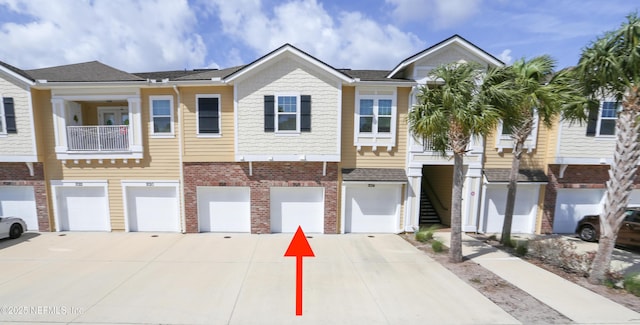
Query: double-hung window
[375,116]
[7,116]
[208,111]
[287,114]
[161,108]
[608,117]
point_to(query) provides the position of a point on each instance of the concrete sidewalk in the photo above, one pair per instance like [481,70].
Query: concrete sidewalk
[574,301]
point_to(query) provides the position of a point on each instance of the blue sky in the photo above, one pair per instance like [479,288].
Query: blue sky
[148,35]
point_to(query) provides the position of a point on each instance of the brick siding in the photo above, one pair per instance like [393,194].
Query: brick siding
[265,175]
[17,174]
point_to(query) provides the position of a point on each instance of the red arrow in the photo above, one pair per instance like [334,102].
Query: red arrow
[299,247]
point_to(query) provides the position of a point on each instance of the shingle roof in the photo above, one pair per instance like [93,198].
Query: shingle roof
[93,71]
[371,75]
[208,75]
[374,174]
[16,70]
[171,75]
[501,175]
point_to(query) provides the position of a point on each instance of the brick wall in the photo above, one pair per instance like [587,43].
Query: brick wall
[17,174]
[575,176]
[265,175]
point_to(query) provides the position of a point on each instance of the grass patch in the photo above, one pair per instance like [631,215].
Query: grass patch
[425,234]
[631,283]
[522,247]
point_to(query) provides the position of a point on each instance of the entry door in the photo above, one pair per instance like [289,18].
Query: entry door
[113,116]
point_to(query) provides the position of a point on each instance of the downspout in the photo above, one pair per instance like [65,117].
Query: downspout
[183,217]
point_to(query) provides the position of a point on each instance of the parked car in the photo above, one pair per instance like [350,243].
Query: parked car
[588,228]
[12,227]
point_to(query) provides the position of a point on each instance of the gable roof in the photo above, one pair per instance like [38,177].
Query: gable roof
[171,75]
[284,49]
[16,73]
[211,74]
[372,75]
[93,71]
[455,39]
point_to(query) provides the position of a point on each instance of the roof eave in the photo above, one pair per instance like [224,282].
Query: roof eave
[17,76]
[391,83]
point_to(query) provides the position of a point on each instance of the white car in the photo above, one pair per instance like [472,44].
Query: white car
[12,227]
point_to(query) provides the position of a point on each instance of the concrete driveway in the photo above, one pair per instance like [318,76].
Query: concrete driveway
[209,279]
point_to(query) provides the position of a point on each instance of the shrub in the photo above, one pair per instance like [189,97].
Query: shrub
[522,248]
[426,234]
[631,283]
[562,254]
[437,246]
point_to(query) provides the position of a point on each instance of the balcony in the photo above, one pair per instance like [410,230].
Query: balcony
[98,138]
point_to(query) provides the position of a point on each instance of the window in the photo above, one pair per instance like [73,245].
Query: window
[287,113]
[608,117]
[375,116]
[162,115]
[602,122]
[7,116]
[208,114]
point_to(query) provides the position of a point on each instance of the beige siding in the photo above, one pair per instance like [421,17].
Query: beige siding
[21,143]
[160,162]
[288,76]
[352,158]
[536,159]
[203,149]
[575,144]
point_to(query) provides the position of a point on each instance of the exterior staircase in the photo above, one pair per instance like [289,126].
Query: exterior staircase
[428,214]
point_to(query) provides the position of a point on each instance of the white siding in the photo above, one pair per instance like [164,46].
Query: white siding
[21,143]
[575,144]
[288,75]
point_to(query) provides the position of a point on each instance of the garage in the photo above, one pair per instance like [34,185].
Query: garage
[372,208]
[224,209]
[152,208]
[572,205]
[82,208]
[525,210]
[19,201]
[293,206]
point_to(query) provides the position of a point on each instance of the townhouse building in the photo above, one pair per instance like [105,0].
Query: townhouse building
[285,140]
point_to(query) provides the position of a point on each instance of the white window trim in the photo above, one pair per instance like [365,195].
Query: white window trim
[209,135]
[504,140]
[371,138]
[600,118]
[276,113]
[3,122]
[151,116]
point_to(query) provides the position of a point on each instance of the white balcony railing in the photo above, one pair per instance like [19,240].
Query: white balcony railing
[98,138]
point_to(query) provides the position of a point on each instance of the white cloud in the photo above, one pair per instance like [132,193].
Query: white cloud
[132,35]
[438,13]
[348,39]
[505,56]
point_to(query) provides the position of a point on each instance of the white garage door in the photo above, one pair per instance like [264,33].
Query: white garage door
[372,209]
[19,201]
[572,205]
[224,209]
[83,209]
[524,214]
[153,209]
[293,206]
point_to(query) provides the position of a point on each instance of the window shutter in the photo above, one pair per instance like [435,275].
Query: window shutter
[269,113]
[592,121]
[9,115]
[208,115]
[305,113]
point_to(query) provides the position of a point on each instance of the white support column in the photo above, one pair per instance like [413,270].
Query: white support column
[471,202]
[412,208]
[135,124]
[59,124]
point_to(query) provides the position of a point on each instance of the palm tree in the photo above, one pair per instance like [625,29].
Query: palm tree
[610,67]
[451,112]
[537,93]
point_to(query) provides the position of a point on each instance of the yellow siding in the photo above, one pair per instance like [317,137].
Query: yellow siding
[536,159]
[202,149]
[160,161]
[352,158]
